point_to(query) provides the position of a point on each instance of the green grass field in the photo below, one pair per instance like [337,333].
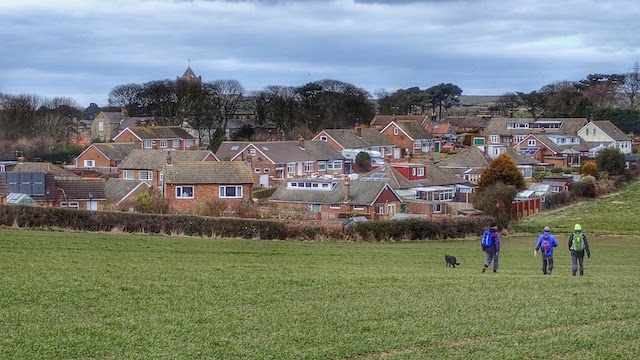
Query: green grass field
[118,296]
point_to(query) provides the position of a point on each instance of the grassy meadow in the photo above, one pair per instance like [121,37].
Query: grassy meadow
[70,295]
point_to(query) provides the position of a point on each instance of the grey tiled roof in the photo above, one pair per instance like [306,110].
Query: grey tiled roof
[278,152]
[160,132]
[519,158]
[396,179]
[362,193]
[114,117]
[440,176]
[117,189]
[208,172]
[83,188]
[498,126]
[414,130]
[229,149]
[558,148]
[45,167]
[384,120]
[155,159]
[470,157]
[322,151]
[348,139]
[115,151]
[610,129]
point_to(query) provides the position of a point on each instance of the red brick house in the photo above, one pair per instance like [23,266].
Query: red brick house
[158,137]
[337,198]
[554,150]
[189,185]
[357,138]
[409,137]
[103,157]
[146,165]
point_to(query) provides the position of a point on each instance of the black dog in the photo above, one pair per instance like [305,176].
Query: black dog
[450,260]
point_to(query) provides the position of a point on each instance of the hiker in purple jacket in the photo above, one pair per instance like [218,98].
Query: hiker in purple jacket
[493,250]
[546,243]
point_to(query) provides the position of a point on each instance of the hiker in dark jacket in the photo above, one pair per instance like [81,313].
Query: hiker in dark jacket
[578,245]
[546,243]
[492,251]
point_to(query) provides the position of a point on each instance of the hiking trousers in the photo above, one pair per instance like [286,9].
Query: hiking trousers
[577,259]
[547,264]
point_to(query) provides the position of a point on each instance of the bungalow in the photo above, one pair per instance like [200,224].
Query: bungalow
[358,138]
[336,198]
[553,150]
[120,192]
[189,185]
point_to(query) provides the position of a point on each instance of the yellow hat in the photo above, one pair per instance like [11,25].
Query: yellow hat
[577,227]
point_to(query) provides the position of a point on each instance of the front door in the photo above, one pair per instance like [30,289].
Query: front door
[264,180]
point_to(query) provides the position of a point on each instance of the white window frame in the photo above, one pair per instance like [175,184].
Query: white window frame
[176,143]
[420,171]
[257,170]
[147,144]
[324,138]
[396,131]
[89,163]
[188,143]
[437,208]
[222,192]
[308,166]
[291,169]
[145,175]
[164,144]
[416,144]
[334,206]
[70,205]
[358,207]
[322,166]
[181,190]
[265,170]
[252,152]
[128,174]
[100,126]
[531,142]
[494,139]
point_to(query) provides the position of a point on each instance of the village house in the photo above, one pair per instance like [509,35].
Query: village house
[120,192]
[358,138]
[146,165]
[553,150]
[189,186]
[103,158]
[107,124]
[336,198]
[157,138]
[381,121]
[274,161]
[511,131]
[409,138]
[605,134]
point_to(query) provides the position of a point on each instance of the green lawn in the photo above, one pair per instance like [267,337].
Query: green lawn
[119,296]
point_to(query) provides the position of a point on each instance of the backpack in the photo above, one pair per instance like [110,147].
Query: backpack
[578,242]
[545,245]
[487,240]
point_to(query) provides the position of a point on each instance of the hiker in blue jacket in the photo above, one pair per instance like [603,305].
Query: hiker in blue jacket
[578,245]
[546,243]
[492,251]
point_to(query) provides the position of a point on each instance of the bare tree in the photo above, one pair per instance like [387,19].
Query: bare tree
[54,121]
[126,96]
[631,86]
[17,115]
[508,103]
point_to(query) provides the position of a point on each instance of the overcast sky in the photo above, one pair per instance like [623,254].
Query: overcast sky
[84,48]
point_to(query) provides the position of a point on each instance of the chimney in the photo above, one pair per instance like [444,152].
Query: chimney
[347,189]
[301,142]
[358,130]
[169,159]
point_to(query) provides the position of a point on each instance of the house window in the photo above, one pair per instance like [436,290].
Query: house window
[145,175]
[127,174]
[89,163]
[308,166]
[420,171]
[334,206]
[252,152]
[176,144]
[70,205]
[323,138]
[379,209]
[395,131]
[518,138]
[322,165]
[184,192]
[265,170]
[495,139]
[257,170]
[291,169]
[413,171]
[231,192]
[531,142]
[100,126]
[587,130]
[188,143]
[416,144]
[594,132]
[358,207]
[164,144]
[148,144]
[437,208]
[334,165]
[314,208]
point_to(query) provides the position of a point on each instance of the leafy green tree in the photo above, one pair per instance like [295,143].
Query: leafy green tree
[611,161]
[443,96]
[150,203]
[502,169]
[363,159]
[495,200]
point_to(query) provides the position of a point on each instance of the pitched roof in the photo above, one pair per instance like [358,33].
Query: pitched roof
[384,120]
[322,151]
[437,176]
[45,167]
[362,192]
[158,132]
[114,117]
[610,129]
[229,149]
[413,129]
[470,157]
[155,159]
[438,129]
[278,152]
[83,188]
[115,151]
[117,189]
[395,179]
[208,172]
[348,139]
[546,140]
[498,126]
[189,74]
